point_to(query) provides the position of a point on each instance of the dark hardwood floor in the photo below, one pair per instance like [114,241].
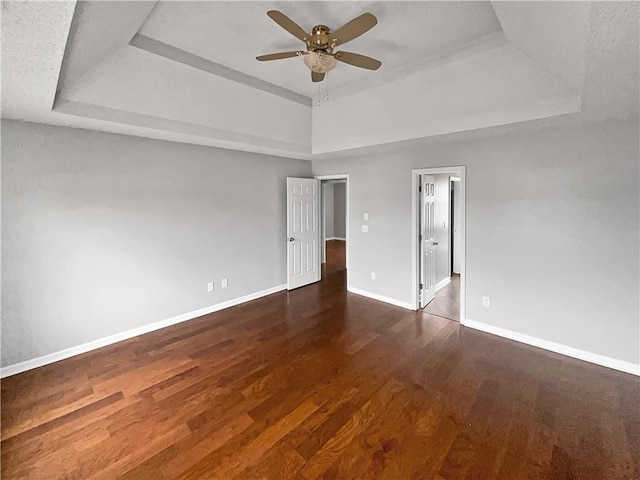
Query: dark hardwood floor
[319,383]
[336,253]
[447,301]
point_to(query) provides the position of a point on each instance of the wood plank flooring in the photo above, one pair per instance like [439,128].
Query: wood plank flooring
[319,383]
[447,301]
[336,253]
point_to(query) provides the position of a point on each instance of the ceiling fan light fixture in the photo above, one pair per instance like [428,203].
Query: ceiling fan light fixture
[320,62]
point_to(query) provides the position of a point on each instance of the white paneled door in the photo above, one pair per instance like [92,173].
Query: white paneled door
[427,241]
[303,232]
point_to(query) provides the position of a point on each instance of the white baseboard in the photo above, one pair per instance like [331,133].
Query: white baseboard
[601,360]
[443,283]
[335,238]
[118,337]
[381,298]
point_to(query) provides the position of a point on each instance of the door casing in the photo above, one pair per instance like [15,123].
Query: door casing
[339,176]
[458,171]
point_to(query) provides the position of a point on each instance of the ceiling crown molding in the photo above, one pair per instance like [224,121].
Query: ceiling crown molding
[180,56]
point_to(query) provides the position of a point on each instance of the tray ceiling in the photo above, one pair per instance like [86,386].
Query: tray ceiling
[186,71]
[234,33]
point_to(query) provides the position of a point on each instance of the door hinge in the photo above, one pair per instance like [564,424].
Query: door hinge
[421,286]
[420,237]
[420,188]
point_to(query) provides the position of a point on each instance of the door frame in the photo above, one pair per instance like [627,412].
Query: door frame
[452,220]
[458,171]
[338,176]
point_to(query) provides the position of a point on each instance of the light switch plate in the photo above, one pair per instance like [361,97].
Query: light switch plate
[365,228]
[366,216]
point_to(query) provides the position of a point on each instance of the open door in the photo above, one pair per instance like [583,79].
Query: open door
[427,241]
[303,232]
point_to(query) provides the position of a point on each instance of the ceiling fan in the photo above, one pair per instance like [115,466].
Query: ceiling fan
[319,56]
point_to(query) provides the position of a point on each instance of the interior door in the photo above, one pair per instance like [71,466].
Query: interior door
[303,232]
[427,241]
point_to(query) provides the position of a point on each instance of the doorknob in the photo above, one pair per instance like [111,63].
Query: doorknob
[434,243]
[291,239]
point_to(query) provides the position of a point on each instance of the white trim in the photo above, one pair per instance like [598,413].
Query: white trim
[602,360]
[380,298]
[118,337]
[443,283]
[323,230]
[461,172]
[336,238]
[345,177]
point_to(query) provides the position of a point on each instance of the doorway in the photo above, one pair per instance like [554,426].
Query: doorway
[334,220]
[438,212]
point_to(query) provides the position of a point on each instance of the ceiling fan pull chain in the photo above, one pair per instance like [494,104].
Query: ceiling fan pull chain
[326,93]
[323,92]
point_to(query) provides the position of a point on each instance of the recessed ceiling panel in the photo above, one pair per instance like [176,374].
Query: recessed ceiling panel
[135,81]
[497,87]
[234,33]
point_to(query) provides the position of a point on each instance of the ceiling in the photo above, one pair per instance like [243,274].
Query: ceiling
[234,33]
[186,71]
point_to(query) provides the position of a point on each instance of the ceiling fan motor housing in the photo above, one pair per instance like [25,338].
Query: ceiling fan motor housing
[320,36]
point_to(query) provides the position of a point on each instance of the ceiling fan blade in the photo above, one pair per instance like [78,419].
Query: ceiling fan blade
[289,25]
[354,29]
[316,77]
[358,60]
[278,56]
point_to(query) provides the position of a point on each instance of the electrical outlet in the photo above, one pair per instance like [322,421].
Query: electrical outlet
[210,287]
[486,302]
[365,228]
[223,283]
[373,275]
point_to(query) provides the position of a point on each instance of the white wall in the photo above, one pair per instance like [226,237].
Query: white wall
[552,230]
[103,233]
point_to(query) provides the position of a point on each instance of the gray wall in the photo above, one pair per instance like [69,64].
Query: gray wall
[552,230]
[328,209]
[103,233]
[334,209]
[339,206]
